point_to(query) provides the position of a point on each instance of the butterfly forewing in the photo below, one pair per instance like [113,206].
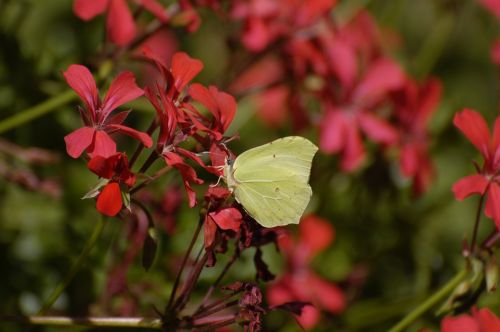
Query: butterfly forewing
[291,154]
[271,181]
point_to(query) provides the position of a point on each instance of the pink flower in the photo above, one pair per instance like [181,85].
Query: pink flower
[486,182]
[94,137]
[300,283]
[482,320]
[120,23]
[115,168]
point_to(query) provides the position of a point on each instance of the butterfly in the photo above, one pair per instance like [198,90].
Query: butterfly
[271,181]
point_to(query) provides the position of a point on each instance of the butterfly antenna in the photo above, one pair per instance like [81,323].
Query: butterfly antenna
[218,181]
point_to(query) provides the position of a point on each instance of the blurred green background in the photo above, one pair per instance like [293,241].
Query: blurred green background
[407,246]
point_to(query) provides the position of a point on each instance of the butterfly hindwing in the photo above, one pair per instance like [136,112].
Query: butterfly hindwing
[275,203]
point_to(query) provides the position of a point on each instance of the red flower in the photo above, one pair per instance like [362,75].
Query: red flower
[344,121]
[414,106]
[482,320]
[300,283]
[115,168]
[486,182]
[94,137]
[120,23]
[220,104]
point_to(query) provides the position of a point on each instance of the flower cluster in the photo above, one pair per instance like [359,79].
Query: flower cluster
[359,92]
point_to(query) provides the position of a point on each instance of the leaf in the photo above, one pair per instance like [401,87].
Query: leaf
[96,189]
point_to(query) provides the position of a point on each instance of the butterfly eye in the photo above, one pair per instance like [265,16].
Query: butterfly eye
[230,161]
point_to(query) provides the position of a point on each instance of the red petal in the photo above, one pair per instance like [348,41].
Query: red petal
[103,145]
[496,145]
[488,321]
[354,152]
[330,297]
[144,138]
[122,90]
[227,219]
[155,8]
[220,104]
[493,203]
[430,97]
[342,59]
[475,129]
[120,23]
[187,172]
[100,166]
[495,52]
[332,132]
[408,160]
[309,317]
[470,185]
[78,141]
[263,73]
[256,35]
[279,292]
[462,323]
[377,129]
[81,80]
[493,6]
[109,201]
[316,234]
[88,9]
[118,118]
[383,76]
[184,69]
[210,230]
[272,105]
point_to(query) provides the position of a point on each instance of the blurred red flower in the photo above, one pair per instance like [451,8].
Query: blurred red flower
[94,137]
[475,128]
[299,283]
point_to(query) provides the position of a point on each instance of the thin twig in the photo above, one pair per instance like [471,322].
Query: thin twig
[154,323]
[183,264]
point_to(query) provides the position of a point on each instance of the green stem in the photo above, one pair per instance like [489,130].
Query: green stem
[37,111]
[76,266]
[153,323]
[430,302]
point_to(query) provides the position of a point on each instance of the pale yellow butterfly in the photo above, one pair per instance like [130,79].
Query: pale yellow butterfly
[271,180]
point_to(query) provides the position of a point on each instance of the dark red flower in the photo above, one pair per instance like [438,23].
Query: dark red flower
[120,23]
[300,283]
[94,137]
[487,181]
[414,106]
[115,168]
[482,320]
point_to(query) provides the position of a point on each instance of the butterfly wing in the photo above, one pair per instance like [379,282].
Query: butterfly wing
[272,180]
